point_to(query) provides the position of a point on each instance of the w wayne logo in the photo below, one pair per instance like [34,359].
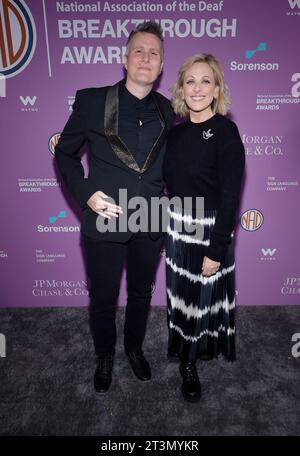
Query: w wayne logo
[294,8]
[268,252]
[294,3]
[28,100]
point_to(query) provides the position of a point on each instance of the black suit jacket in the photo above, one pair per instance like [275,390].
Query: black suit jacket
[111,165]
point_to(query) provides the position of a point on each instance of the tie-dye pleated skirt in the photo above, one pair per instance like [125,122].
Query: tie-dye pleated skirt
[201,310]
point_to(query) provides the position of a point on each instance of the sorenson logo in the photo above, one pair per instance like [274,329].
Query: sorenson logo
[58,229]
[261,47]
[17,37]
[251,220]
[255,66]
[54,218]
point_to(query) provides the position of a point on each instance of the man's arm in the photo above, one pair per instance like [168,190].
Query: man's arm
[67,152]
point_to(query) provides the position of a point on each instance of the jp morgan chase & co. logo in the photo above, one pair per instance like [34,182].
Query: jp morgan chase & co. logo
[52,143]
[251,220]
[17,37]
[263,145]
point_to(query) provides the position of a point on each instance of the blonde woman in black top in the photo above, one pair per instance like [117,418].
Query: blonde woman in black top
[204,158]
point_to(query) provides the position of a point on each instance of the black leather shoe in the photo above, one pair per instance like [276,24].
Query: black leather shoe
[103,373]
[191,387]
[139,364]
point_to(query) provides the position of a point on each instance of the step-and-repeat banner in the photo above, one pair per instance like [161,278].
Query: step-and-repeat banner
[49,49]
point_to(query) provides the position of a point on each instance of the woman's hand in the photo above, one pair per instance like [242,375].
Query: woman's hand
[209,267]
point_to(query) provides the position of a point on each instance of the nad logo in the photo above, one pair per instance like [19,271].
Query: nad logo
[17,37]
[261,47]
[61,214]
[52,143]
[207,134]
[28,100]
[251,220]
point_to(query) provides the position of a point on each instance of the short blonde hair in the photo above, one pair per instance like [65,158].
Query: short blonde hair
[220,105]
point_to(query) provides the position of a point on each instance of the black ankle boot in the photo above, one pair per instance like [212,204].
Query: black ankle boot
[191,387]
[139,364]
[103,373]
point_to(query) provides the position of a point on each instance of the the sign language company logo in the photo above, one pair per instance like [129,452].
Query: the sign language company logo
[17,37]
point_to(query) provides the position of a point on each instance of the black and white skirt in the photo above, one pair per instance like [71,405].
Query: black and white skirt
[201,309]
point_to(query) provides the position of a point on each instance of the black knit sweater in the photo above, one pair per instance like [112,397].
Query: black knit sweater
[207,159]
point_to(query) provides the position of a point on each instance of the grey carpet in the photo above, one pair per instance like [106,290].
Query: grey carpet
[46,383]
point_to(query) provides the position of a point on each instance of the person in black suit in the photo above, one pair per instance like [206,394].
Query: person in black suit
[125,126]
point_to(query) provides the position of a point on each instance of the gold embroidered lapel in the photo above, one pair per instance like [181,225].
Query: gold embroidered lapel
[111,116]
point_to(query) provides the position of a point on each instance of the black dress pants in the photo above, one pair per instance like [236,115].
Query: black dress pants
[105,263]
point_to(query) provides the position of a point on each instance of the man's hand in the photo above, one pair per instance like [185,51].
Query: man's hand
[209,267]
[98,204]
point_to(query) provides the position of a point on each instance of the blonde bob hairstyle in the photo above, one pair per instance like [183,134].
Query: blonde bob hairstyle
[219,104]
